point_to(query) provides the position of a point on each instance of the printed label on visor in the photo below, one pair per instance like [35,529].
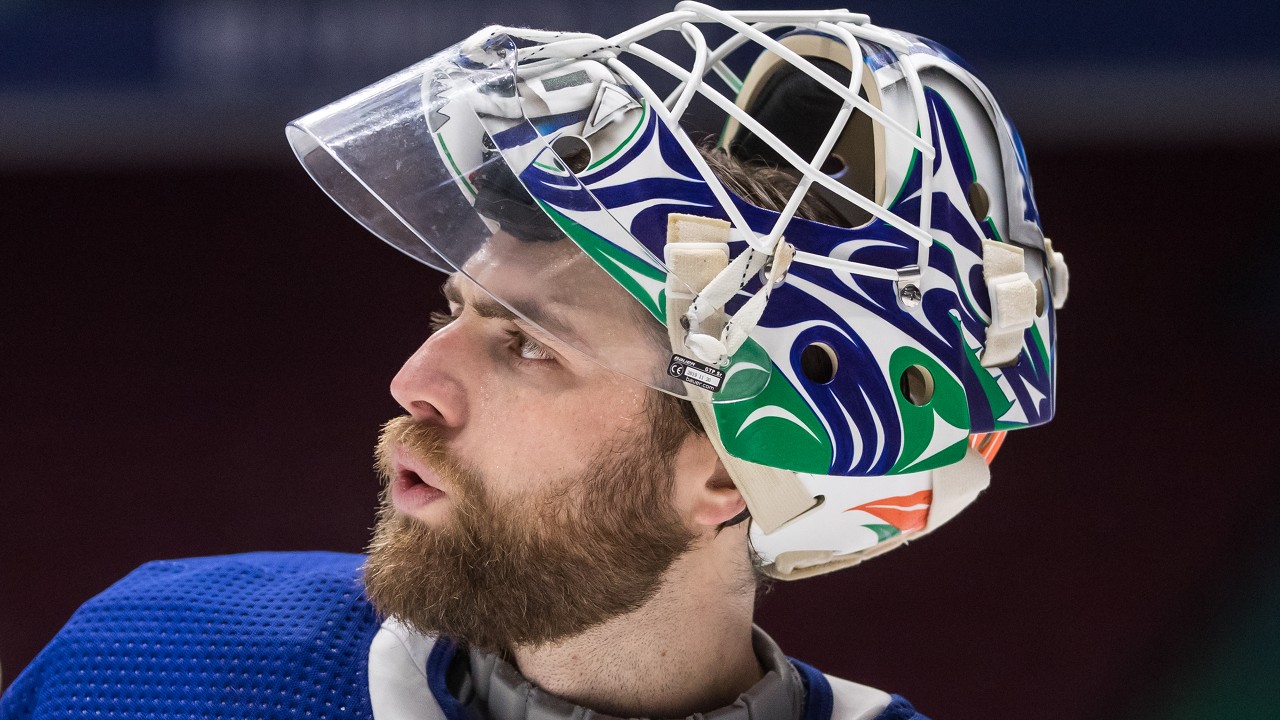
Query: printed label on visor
[695,373]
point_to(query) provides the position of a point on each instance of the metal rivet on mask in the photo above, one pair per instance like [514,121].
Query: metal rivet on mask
[908,286]
[910,295]
[764,274]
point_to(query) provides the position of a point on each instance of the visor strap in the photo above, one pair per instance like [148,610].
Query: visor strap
[715,346]
[706,340]
[744,321]
[697,251]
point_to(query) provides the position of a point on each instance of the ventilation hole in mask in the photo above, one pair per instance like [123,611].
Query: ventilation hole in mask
[979,202]
[1039,298]
[818,363]
[835,166]
[916,385]
[573,151]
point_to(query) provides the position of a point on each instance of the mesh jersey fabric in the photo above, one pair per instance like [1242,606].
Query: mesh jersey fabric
[283,636]
[263,635]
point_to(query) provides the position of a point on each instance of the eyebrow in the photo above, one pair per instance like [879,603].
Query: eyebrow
[486,307]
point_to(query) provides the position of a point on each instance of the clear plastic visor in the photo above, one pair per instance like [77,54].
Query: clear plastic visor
[413,160]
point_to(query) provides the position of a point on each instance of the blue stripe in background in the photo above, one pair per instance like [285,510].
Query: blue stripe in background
[62,43]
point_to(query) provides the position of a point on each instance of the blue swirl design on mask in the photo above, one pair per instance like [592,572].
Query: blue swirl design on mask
[860,405]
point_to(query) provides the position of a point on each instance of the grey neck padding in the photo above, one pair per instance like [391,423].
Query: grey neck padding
[493,689]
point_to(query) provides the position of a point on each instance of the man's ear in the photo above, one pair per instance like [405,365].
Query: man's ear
[721,501]
[704,492]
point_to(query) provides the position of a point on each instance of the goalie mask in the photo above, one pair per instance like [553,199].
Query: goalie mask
[852,376]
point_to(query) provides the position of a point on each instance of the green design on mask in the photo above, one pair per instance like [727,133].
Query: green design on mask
[883,532]
[777,427]
[920,422]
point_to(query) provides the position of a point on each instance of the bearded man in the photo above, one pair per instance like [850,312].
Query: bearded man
[666,372]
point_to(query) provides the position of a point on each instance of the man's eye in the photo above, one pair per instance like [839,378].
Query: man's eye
[523,345]
[439,320]
[528,348]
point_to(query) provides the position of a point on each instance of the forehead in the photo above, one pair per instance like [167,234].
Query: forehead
[559,288]
[549,273]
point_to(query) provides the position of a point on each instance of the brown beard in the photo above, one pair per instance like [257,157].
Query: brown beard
[539,568]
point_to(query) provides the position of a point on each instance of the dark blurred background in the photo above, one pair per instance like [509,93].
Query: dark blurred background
[195,343]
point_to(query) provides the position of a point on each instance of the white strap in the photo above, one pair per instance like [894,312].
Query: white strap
[1057,274]
[775,497]
[697,253]
[744,321]
[705,340]
[714,348]
[955,486]
[1013,302]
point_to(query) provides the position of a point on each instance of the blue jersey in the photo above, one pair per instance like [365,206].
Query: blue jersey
[263,635]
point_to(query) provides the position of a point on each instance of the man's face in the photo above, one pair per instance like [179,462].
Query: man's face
[529,491]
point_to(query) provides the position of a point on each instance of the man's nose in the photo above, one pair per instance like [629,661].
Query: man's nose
[429,386]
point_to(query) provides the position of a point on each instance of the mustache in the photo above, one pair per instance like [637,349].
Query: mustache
[424,441]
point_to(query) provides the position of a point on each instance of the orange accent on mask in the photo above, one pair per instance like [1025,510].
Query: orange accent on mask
[988,444]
